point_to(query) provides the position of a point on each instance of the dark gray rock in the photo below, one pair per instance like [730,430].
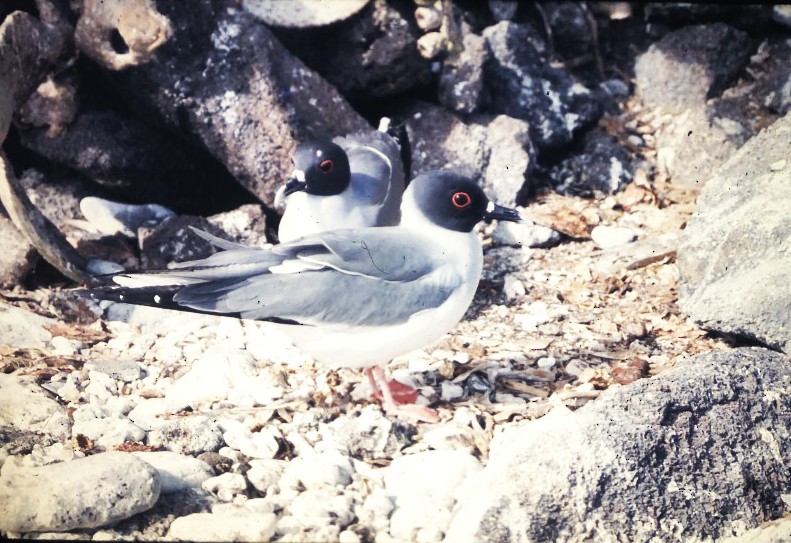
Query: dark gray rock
[571,30]
[174,241]
[13,441]
[136,161]
[461,87]
[691,65]
[601,167]
[522,84]
[84,493]
[372,55]
[681,73]
[495,150]
[17,255]
[677,14]
[224,80]
[736,249]
[698,452]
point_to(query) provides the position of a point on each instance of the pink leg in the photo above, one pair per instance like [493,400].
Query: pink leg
[412,412]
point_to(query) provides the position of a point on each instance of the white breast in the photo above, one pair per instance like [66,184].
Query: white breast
[309,214]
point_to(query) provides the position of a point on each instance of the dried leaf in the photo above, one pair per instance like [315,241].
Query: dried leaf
[131,446]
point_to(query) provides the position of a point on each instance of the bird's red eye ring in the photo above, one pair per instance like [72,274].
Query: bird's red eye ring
[461,200]
[326,166]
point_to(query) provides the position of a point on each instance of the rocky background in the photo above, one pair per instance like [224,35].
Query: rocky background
[622,375]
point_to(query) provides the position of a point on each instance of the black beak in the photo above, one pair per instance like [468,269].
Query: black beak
[294,185]
[501,213]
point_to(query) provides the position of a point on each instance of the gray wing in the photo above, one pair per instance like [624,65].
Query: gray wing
[377,172]
[379,277]
[387,253]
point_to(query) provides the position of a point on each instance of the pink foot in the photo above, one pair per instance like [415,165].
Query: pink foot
[397,398]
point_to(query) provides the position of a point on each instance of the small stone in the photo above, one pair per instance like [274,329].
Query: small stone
[176,472]
[450,391]
[319,469]
[62,346]
[778,166]
[108,432]
[546,362]
[451,436]
[260,444]
[84,493]
[241,526]
[120,369]
[368,433]
[525,234]
[321,506]
[264,473]
[225,486]
[612,236]
[513,287]
[188,435]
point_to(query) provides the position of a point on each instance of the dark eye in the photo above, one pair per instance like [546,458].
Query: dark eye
[461,200]
[326,166]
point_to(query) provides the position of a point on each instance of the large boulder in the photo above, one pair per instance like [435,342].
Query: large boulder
[700,451]
[735,255]
[679,74]
[226,81]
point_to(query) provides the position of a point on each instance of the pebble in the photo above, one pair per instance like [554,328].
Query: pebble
[368,433]
[264,474]
[318,469]
[241,526]
[110,432]
[513,287]
[525,234]
[24,405]
[612,236]
[261,444]
[546,362]
[101,385]
[188,435]
[422,486]
[451,436]
[119,485]
[62,346]
[317,507]
[225,486]
[118,368]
